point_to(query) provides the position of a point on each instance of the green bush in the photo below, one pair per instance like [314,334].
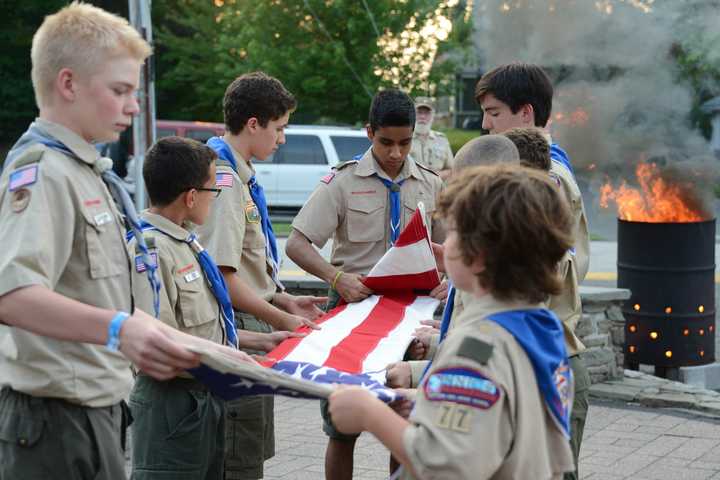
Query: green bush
[458,137]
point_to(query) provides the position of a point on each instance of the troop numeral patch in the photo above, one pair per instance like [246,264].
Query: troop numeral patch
[454,417]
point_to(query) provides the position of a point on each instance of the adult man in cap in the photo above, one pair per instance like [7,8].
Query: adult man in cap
[429,147]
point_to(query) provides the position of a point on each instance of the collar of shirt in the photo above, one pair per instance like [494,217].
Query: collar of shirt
[368,166]
[85,151]
[481,307]
[431,135]
[167,226]
[245,169]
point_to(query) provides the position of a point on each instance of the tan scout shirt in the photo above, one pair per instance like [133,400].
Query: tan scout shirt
[63,232]
[432,150]
[233,232]
[512,438]
[353,205]
[573,267]
[186,301]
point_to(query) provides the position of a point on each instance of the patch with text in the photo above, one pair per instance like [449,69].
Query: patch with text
[461,385]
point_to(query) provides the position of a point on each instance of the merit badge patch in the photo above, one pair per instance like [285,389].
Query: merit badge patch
[20,200]
[23,177]
[328,178]
[252,214]
[224,180]
[140,265]
[461,385]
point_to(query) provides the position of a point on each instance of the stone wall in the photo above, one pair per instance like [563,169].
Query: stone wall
[602,330]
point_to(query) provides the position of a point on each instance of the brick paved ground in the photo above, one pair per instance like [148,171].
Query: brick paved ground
[620,442]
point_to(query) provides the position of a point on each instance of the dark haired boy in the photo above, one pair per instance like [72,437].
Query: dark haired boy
[363,205]
[495,402]
[239,235]
[520,95]
[179,426]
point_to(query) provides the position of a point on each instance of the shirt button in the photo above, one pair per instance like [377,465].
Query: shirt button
[23,441]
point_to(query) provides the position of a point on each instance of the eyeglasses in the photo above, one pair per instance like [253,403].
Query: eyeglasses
[216,191]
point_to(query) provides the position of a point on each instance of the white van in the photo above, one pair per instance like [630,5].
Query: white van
[309,153]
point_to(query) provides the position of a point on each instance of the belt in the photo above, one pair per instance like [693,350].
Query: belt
[180,382]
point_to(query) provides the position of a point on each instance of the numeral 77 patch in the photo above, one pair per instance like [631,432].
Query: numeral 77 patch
[454,417]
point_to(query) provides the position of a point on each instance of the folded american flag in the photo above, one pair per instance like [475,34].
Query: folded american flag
[357,341]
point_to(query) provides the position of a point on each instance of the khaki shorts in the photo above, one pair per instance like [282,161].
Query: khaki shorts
[250,423]
[51,438]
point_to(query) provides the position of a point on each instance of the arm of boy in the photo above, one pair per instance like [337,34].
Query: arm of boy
[264,342]
[304,305]
[354,410]
[348,285]
[245,299]
[143,339]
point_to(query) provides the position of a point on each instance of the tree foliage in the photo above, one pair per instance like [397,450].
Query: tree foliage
[325,52]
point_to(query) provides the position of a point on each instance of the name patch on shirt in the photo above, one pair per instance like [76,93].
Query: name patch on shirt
[192,276]
[23,177]
[102,218]
[224,180]
[140,264]
[461,385]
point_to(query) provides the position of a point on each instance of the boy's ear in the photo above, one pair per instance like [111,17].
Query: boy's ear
[65,84]
[370,133]
[252,124]
[190,197]
[528,114]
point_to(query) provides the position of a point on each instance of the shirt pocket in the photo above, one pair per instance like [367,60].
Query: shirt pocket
[411,204]
[198,307]
[106,250]
[366,220]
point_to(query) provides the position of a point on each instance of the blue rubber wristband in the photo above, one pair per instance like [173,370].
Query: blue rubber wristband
[113,342]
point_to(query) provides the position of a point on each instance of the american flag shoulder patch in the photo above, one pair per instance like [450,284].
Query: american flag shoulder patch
[23,177]
[224,180]
[140,265]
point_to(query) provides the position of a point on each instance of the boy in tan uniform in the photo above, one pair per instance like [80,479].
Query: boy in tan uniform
[179,426]
[520,95]
[363,205]
[65,285]
[495,402]
[239,236]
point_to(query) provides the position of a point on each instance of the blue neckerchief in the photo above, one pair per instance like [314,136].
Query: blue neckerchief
[212,274]
[445,324]
[560,156]
[35,135]
[258,195]
[394,190]
[540,334]
[448,311]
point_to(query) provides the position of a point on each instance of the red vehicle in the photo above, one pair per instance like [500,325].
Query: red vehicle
[199,131]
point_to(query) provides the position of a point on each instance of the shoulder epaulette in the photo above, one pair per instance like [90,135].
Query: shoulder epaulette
[475,349]
[149,241]
[427,169]
[221,162]
[342,165]
[440,134]
[32,155]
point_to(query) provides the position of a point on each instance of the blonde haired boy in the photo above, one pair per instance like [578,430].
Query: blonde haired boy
[65,288]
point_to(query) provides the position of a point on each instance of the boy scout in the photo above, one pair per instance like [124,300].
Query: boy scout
[495,402]
[239,236]
[65,289]
[429,147]
[533,147]
[363,205]
[484,150]
[179,427]
[520,95]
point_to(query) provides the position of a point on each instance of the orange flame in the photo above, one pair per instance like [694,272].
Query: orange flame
[575,118]
[654,201]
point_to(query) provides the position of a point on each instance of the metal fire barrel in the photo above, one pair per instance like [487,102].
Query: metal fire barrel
[670,270]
